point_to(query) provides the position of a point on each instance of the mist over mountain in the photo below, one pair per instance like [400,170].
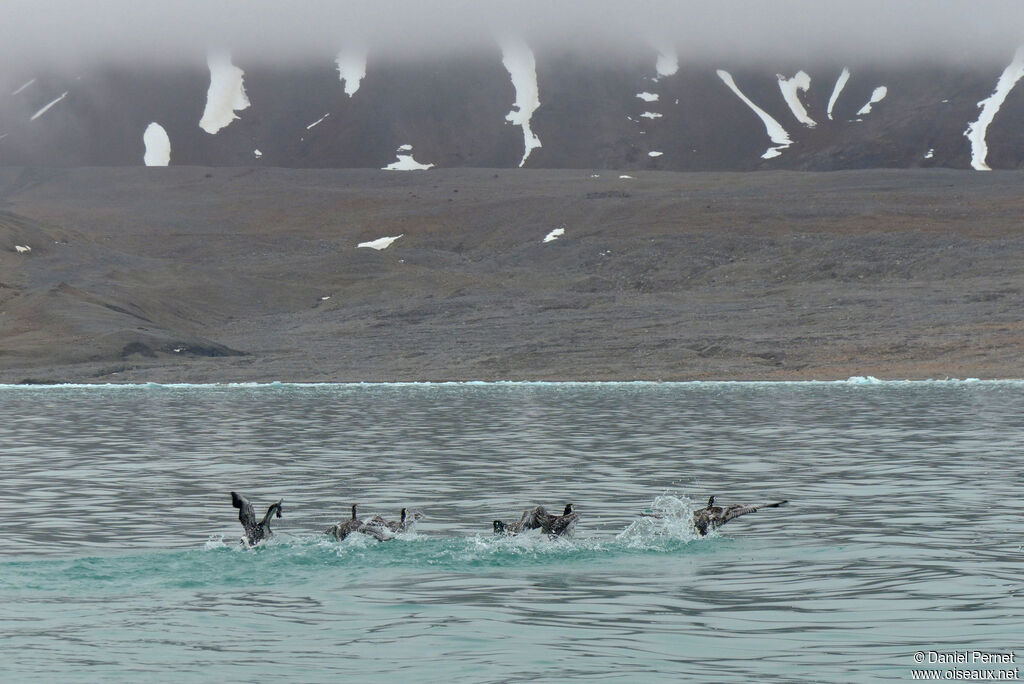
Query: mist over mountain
[660,85]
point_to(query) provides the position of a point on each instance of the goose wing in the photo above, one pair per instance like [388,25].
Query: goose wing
[562,525]
[246,516]
[736,511]
[535,517]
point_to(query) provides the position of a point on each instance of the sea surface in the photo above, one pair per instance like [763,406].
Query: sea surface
[120,558]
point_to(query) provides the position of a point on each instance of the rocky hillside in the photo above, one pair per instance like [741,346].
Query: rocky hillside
[208,274]
[513,106]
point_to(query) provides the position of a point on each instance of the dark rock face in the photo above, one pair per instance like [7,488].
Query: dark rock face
[452,111]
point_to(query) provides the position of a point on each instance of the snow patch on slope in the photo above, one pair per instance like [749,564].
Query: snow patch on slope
[379,243]
[554,235]
[648,97]
[976,130]
[840,84]
[158,146]
[47,106]
[23,86]
[406,162]
[775,131]
[790,88]
[351,69]
[522,67]
[318,121]
[226,94]
[668,61]
[877,95]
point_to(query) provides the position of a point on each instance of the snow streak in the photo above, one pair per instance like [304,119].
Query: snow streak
[158,146]
[976,130]
[789,88]
[775,131]
[840,84]
[519,61]
[226,94]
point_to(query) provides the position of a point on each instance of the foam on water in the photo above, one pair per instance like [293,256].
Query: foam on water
[672,521]
[222,562]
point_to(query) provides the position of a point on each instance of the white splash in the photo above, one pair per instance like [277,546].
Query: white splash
[518,60]
[158,146]
[625,176]
[669,520]
[22,249]
[648,97]
[775,131]
[790,88]
[226,94]
[23,86]
[351,69]
[989,108]
[318,121]
[379,243]
[654,153]
[668,61]
[407,163]
[651,115]
[257,153]
[554,235]
[840,84]
[877,95]
[405,148]
[47,107]
[930,153]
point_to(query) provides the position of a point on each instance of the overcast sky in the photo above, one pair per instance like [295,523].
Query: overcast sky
[78,31]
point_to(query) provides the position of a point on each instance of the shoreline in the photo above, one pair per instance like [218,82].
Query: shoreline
[852,381]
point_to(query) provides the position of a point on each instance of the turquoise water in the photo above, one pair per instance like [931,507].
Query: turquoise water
[121,557]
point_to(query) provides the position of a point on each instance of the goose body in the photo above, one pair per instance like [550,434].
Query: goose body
[255,532]
[344,528]
[539,518]
[403,524]
[712,517]
[370,527]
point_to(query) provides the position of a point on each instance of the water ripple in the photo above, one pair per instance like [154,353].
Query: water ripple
[121,556]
